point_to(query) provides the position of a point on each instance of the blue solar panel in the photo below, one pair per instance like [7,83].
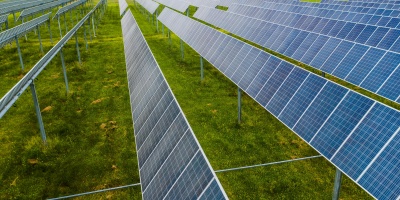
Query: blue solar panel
[366,140]
[389,39]
[273,83]
[336,57]
[364,66]
[311,52]
[244,66]
[391,87]
[193,180]
[263,76]
[381,71]
[286,91]
[212,192]
[256,66]
[325,52]
[319,110]
[342,121]
[349,61]
[386,170]
[300,101]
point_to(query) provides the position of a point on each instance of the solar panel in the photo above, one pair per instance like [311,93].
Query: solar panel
[41,8]
[372,68]
[323,113]
[9,35]
[69,7]
[122,6]
[9,99]
[172,164]
[178,5]
[150,6]
[22,6]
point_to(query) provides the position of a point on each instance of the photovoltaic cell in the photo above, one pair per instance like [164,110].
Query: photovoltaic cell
[171,163]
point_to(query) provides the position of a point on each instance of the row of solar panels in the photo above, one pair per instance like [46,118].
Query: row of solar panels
[357,134]
[22,6]
[9,35]
[363,55]
[172,164]
[8,100]
[373,16]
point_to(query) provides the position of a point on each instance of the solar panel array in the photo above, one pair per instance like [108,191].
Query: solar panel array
[22,6]
[357,134]
[69,7]
[372,64]
[178,5]
[149,5]
[41,8]
[122,6]
[9,99]
[9,35]
[172,164]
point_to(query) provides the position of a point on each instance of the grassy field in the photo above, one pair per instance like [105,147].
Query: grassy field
[90,135]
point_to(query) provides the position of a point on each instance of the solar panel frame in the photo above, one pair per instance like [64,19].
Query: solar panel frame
[150,6]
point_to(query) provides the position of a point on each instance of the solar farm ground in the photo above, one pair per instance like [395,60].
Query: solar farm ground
[90,135]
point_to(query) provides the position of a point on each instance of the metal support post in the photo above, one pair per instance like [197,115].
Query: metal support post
[26,37]
[323,74]
[77,48]
[15,19]
[38,113]
[157,19]
[59,26]
[19,53]
[336,187]
[201,68]
[162,27]
[90,33]
[84,36]
[239,105]
[182,53]
[187,12]
[169,36]
[40,39]
[51,35]
[94,31]
[64,69]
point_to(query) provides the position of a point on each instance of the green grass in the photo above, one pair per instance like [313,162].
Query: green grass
[90,136]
